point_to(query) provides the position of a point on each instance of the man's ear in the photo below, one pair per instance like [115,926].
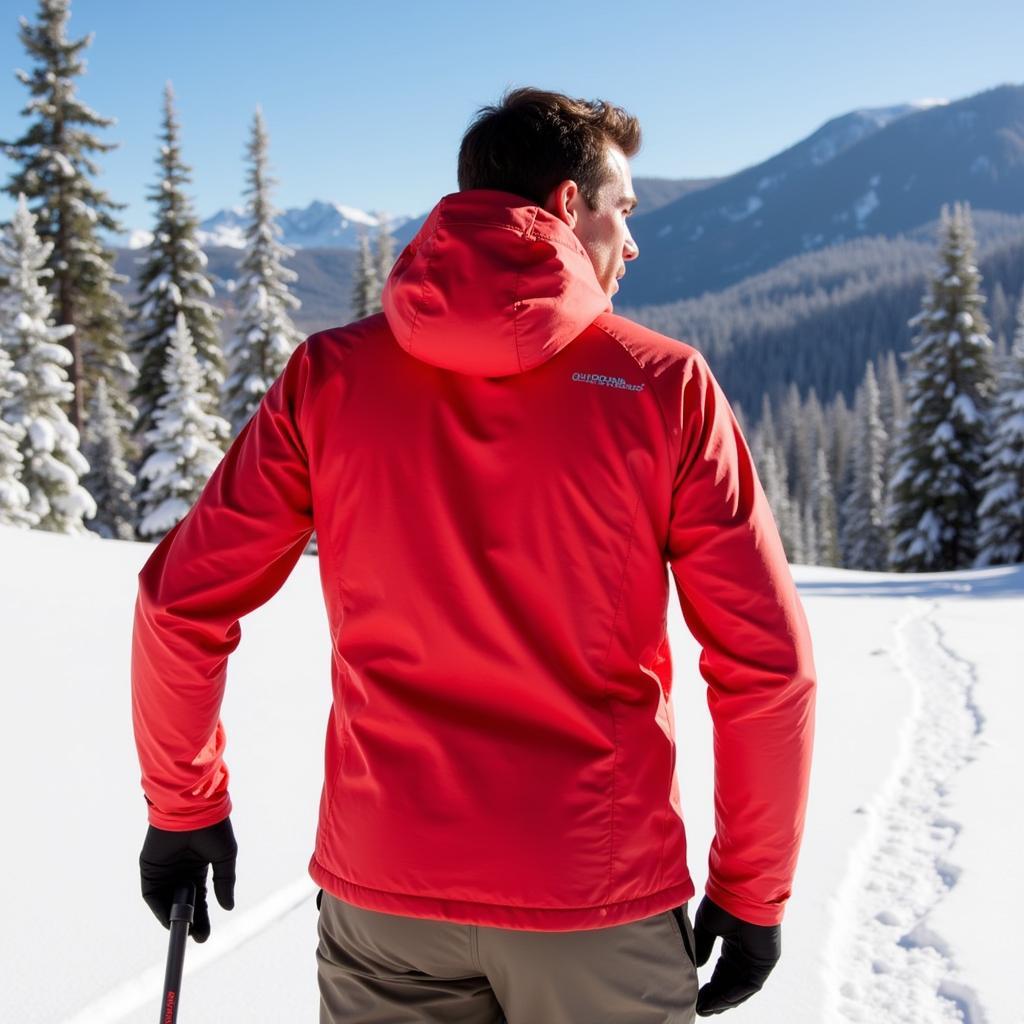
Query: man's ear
[562,201]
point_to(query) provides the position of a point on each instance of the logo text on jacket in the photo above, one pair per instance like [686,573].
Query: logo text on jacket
[611,382]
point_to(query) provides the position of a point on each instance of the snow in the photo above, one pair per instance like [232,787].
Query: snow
[60,162]
[982,165]
[823,151]
[964,408]
[42,434]
[749,206]
[865,206]
[351,213]
[770,181]
[907,887]
[227,235]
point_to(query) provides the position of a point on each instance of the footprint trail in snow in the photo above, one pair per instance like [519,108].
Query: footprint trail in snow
[887,964]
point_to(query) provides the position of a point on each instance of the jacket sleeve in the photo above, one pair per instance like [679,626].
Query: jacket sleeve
[739,600]
[230,554]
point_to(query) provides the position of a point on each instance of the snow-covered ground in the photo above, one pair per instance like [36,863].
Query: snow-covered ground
[907,898]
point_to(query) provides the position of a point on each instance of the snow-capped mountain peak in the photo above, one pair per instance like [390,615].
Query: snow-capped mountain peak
[321,224]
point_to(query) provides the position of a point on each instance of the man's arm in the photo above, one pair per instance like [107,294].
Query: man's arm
[230,554]
[738,598]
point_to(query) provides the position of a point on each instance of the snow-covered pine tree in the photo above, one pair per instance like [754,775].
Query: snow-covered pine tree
[891,403]
[941,443]
[771,470]
[109,479]
[52,464]
[384,260]
[1001,512]
[741,419]
[55,172]
[14,496]
[839,429]
[765,434]
[798,444]
[812,435]
[365,285]
[185,442]
[999,315]
[797,533]
[864,540]
[173,281]
[787,426]
[769,459]
[812,555]
[265,337]
[823,501]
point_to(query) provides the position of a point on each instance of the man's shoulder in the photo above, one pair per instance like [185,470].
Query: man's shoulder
[337,342]
[646,345]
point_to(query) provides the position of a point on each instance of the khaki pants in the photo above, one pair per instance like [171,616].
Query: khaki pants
[377,968]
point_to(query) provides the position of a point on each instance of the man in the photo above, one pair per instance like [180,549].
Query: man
[500,470]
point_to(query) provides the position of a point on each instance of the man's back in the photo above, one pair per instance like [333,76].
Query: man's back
[499,471]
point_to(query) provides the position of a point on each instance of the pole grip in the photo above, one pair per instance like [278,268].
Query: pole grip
[182,910]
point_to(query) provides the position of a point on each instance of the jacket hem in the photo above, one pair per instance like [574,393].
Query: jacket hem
[495,915]
[191,818]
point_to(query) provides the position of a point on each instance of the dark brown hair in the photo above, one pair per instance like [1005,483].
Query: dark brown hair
[532,140]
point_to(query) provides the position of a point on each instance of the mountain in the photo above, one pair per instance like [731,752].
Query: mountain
[328,225]
[654,193]
[320,225]
[871,172]
[881,173]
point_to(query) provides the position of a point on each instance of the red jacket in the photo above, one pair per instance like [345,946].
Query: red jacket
[499,471]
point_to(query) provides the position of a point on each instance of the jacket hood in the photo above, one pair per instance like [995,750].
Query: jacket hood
[491,285]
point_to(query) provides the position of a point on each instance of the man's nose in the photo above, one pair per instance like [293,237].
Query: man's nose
[630,250]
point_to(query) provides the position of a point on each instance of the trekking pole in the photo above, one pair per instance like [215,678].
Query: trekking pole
[181,917]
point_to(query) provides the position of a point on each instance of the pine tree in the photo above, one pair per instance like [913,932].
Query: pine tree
[14,496]
[109,479]
[771,470]
[999,315]
[185,442]
[839,439]
[1001,512]
[812,554]
[796,531]
[770,462]
[823,501]
[741,419]
[173,281]
[54,172]
[795,443]
[864,540]
[941,443]
[257,352]
[365,285]
[891,403]
[51,461]
[815,431]
[385,258]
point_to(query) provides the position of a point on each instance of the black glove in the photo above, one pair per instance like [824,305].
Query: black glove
[749,952]
[170,858]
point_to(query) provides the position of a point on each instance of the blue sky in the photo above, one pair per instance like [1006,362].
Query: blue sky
[365,104]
